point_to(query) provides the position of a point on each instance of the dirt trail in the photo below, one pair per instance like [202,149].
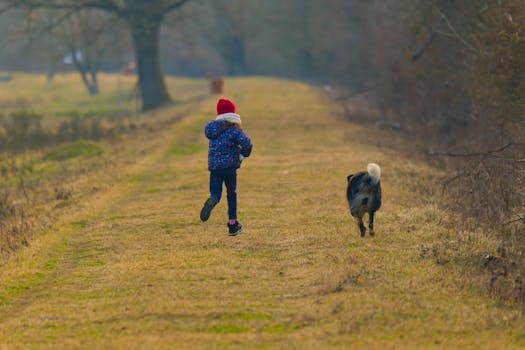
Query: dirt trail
[137,269]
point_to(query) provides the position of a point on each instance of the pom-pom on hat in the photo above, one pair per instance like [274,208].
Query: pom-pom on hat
[225,105]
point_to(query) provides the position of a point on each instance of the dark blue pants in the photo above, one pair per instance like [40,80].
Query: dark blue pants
[229,177]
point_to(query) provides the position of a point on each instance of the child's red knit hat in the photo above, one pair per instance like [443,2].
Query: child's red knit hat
[225,105]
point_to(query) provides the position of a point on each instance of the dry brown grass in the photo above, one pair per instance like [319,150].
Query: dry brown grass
[52,158]
[132,267]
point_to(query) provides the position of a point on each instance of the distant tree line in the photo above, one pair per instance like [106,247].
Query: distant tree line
[307,39]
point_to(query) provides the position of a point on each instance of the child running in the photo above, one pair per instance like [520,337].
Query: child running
[228,147]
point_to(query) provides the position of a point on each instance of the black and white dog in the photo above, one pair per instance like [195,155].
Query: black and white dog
[364,196]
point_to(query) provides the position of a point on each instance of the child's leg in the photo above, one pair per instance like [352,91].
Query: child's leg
[215,195]
[230,179]
[216,180]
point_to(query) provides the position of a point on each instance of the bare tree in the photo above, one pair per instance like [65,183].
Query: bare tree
[144,19]
[89,38]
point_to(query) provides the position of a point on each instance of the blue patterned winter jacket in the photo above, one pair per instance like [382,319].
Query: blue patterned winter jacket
[227,142]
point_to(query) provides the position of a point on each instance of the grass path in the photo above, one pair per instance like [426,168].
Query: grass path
[136,269]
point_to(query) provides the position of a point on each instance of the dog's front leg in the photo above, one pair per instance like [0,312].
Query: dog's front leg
[362,229]
[371,223]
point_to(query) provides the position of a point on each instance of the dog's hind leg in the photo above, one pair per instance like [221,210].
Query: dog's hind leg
[362,229]
[371,223]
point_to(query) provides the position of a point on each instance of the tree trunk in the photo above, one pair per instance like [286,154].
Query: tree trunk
[82,67]
[145,31]
[94,82]
[92,86]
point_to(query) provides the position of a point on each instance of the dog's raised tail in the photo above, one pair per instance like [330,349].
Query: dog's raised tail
[374,171]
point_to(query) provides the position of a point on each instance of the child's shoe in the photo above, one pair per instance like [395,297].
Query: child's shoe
[234,229]
[206,209]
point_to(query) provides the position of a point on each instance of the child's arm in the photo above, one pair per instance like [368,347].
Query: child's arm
[244,143]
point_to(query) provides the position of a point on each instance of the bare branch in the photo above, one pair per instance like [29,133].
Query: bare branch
[456,34]
[475,154]
[106,5]
[509,159]
[174,5]
[50,27]
[520,218]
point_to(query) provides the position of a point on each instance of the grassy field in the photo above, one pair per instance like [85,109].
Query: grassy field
[131,266]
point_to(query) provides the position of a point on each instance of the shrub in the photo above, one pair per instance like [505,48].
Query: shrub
[72,150]
[22,129]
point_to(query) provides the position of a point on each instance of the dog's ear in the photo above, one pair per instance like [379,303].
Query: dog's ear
[349,177]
